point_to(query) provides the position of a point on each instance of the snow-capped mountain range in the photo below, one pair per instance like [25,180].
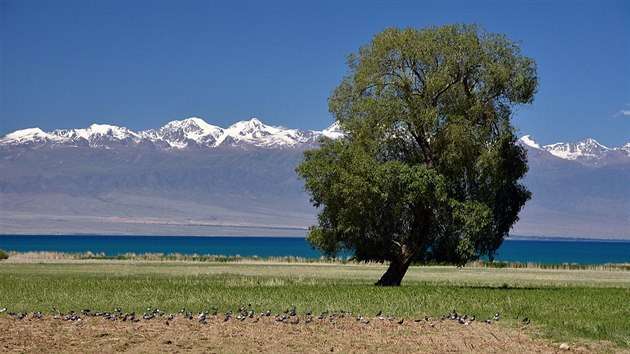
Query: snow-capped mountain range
[193,178]
[195,133]
[178,134]
[587,151]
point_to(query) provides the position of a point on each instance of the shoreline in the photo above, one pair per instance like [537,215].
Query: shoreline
[45,257]
[622,239]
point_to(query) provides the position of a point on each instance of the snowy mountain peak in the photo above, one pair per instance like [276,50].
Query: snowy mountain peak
[246,127]
[180,134]
[255,121]
[587,152]
[253,132]
[25,135]
[334,131]
[196,126]
[191,124]
[588,148]
[529,141]
[96,131]
[195,133]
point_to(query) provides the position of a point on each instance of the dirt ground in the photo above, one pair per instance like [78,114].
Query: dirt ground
[345,335]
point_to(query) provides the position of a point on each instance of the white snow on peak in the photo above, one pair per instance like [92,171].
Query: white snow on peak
[196,133]
[35,135]
[193,127]
[333,132]
[248,127]
[255,132]
[588,148]
[529,141]
[182,133]
[26,134]
[192,124]
[95,131]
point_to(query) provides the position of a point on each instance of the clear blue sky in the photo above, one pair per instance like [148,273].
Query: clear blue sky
[141,64]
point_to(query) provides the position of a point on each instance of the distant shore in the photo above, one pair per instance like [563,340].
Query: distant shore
[293,233]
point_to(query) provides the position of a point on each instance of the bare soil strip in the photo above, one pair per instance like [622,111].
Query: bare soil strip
[267,336]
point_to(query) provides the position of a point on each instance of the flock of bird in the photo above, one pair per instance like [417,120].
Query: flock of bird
[244,313]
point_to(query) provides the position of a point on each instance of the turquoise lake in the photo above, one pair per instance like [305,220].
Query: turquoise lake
[512,250]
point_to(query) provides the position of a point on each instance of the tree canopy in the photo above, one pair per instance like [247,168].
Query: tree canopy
[429,167]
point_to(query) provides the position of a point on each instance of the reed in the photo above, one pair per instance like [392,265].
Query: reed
[176,257]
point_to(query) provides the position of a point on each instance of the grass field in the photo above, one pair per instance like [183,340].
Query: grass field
[562,305]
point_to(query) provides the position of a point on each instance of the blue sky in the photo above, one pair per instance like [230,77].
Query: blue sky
[141,64]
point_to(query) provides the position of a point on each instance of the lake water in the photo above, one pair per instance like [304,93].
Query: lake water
[536,251]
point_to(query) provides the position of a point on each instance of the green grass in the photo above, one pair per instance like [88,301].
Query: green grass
[563,305]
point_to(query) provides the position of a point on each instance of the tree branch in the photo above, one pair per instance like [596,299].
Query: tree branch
[448,86]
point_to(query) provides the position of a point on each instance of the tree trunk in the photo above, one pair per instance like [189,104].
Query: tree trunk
[396,270]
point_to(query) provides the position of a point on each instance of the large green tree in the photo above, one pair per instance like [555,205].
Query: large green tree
[428,170]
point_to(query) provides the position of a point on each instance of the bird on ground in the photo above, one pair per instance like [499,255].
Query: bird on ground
[526,320]
[4,309]
[401,321]
[496,316]
[378,313]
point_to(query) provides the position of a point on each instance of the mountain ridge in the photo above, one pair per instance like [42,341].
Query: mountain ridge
[193,178]
[194,133]
[178,134]
[588,151]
